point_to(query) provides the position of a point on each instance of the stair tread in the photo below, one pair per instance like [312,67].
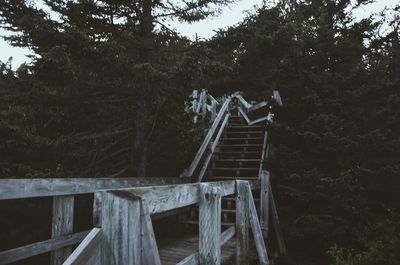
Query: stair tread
[236,168]
[240,145]
[237,160]
[244,138]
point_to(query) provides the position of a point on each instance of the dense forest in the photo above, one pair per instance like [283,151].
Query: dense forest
[105,92]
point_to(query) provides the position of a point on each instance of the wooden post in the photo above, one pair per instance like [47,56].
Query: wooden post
[242,223]
[213,110]
[120,229]
[277,226]
[209,225]
[63,224]
[150,254]
[256,229]
[264,202]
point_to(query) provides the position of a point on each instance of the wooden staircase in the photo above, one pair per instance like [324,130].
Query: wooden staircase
[239,155]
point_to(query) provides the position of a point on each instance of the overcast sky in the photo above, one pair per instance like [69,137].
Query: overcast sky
[231,15]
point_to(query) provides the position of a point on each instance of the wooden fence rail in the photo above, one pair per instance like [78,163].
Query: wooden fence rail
[126,232]
[62,191]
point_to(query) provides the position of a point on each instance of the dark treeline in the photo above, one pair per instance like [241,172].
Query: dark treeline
[104,96]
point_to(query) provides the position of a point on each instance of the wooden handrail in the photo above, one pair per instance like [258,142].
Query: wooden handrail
[32,188]
[189,171]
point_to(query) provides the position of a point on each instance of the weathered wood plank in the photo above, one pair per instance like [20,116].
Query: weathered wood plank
[150,255]
[121,229]
[213,146]
[169,197]
[209,225]
[30,188]
[194,258]
[244,115]
[259,120]
[88,251]
[264,202]
[256,229]
[258,106]
[276,224]
[62,224]
[37,248]
[277,97]
[189,172]
[242,223]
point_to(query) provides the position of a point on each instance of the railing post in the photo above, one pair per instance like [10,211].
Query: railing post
[120,229]
[264,202]
[209,225]
[242,223]
[62,224]
[213,110]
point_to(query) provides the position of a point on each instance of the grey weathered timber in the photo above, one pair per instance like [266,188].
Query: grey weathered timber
[121,229]
[169,197]
[88,251]
[209,225]
[258,106]
[242,223]
[34,249]
[256,229]
[189,172]
[264,202]
[259,120]
[194,258]
[244,115]
[276,224]
[212,148]
[150,255]
[30,188]
[277,97]
[264,154]
[62,224]
[213,110]
[245,104]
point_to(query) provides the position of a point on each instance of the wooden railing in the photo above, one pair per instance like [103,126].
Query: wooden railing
[63,192]
[209,143]
[245,108]
[124,231]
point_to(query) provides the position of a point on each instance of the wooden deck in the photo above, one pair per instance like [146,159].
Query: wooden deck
[174,250]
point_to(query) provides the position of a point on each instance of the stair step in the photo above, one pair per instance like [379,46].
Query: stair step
[240,147]
[242,140]
[238,162]
[244,128]
[238,154]
[235,172]
[228,210]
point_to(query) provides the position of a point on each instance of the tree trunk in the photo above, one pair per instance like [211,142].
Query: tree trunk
[140,144]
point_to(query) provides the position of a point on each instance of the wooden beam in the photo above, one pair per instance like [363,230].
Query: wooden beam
[88,251]
[189,172]
[264,202]
[213,146]
[209,225]
[244,115]
[242,223]
[62,224]
[24,252]
[121,229]
[165,198]
[31,188]
[256,229]
[150,254]
[258,106]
